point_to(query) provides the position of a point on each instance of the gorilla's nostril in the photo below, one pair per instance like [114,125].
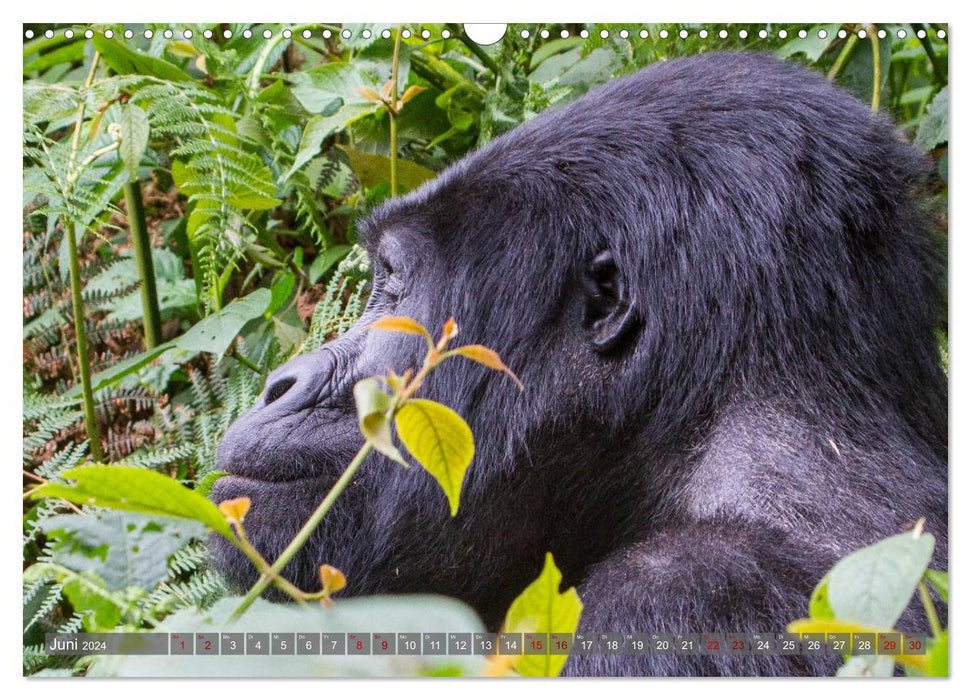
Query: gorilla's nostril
[278,389]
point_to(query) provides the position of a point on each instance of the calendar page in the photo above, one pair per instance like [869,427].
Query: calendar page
[485,350]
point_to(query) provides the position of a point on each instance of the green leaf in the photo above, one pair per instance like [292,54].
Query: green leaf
[873,585]
[137,490]
[123,549]
[320,127]
[372,169]
[933,128]
[937,663]
[938,581]
[215,333]
[438,438]
[867,667]
[120,370]
[400,613]
[123,60]
[541,608]
[372,414]
[326,260]
[812,46]
[319,88]
[819,608]
[134,137]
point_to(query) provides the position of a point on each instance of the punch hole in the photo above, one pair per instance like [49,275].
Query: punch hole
[386,34]
[763,34]
[742,33]
[287,34]
[187,34]
[941,33]
[683,34]
[882,34]
[803,34]
[703,33]
[901,34]
[921,34]
[664,34]
[29,34]
[564,34]
[624,33]
[168,33]
[544,34]
[207,34]
[366,34]
[49,34]
[267,34]
[604,34]
[723,34]
[841,33]
[643,34]
[487,34]
[425,34]
[227,34]
[88,34]
[446,34]
[109,33]
[821,33]
[584,34]
[129,33]
[149,33]
[68,34]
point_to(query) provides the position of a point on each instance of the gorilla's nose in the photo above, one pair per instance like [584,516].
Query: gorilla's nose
[301,382]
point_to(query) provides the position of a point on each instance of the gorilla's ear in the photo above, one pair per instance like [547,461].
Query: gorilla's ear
[609,316]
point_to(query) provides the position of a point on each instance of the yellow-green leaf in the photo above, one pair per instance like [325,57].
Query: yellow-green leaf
[372,169]
[372,404]
[541,608]
[440,441]
[138,490]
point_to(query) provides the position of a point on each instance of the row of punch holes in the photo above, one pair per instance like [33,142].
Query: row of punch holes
[525,33]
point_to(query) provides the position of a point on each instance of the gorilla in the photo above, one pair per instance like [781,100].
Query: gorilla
[717,283]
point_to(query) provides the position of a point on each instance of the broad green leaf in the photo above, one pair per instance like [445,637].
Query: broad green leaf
[372,414]
[123,549]
[326,260]
[254,201]
[819,608]
[438,438]
[372,169]
[215,333]
[320,127]
[120,370]
[933,128]
[867,667]
[542,608]
[318,88]
[137,490]
[811,46]
[939,581]
[873,585]
[937,662]
[382,614]
[123,60]
[134,137]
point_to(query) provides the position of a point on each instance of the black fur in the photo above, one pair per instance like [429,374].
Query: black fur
[772,401]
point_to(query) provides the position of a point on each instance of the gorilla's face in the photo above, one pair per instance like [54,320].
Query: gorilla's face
[448,250]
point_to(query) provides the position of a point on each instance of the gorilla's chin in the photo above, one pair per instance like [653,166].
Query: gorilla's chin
[278,509]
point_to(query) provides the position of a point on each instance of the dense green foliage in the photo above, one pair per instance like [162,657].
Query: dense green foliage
[253,158]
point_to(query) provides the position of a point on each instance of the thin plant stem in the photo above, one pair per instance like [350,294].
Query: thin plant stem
[940,70]
[268,576]
[77,302]
[925,598]
[843,56]
[142,247]
[84,367]
[476,49]
[393,112]
[877,74]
